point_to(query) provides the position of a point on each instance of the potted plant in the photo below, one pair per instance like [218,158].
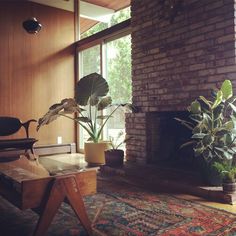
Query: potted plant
[213,123]
[89,102]
[228,173]
[114,156]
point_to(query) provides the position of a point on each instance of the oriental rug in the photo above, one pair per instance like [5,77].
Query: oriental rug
[121,209]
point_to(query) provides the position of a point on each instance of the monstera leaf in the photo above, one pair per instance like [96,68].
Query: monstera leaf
[66,106]
[90,88]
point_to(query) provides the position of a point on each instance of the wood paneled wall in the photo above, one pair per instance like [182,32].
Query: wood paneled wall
[36,70]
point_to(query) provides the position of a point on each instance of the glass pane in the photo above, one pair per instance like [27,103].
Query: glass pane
[116,18]
[118,75]
[89,63]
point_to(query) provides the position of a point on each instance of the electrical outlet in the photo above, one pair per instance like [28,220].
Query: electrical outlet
[59,140]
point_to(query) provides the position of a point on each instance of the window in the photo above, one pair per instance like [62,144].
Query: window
[90,61]
[113,59]
[109,53]
[116,18]
[118,75]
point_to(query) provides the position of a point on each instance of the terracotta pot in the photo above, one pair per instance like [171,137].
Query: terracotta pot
[94,152]
[114,157]
[229,187]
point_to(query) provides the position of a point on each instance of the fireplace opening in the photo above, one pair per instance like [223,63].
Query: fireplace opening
[165,135]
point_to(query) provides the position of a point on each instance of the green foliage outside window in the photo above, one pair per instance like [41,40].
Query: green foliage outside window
[119,66]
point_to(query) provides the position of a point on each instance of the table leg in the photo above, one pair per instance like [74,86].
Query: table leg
[62,187]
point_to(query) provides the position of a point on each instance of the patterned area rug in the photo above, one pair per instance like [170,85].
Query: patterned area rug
[119,210]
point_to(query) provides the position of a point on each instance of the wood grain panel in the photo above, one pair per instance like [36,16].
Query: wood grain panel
[36,70]
[86,24]
[114,4]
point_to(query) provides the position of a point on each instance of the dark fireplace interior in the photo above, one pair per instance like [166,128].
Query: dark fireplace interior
[165,135]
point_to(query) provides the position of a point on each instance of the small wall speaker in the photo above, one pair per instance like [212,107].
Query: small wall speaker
[32,26]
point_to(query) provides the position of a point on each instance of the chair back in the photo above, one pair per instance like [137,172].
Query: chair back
[9,125]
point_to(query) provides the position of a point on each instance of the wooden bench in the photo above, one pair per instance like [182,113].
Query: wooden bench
[11,125]
[27,185]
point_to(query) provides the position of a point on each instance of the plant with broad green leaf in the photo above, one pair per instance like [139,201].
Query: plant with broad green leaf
[213,125]
[118,140]
[226,170]
[89,103]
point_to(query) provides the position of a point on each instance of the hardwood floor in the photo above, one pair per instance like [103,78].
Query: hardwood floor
[223,206]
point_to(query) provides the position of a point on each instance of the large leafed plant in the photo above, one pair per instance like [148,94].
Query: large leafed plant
[90,100]
[213,124]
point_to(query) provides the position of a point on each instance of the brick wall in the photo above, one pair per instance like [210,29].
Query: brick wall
[175,63]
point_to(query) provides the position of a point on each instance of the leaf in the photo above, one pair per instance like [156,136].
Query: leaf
[198,151]
[46,119]
[196,130]
[188,143]
[70,105]
[104,102]
[233,131]
[196,117]
[218,100]
[228,155]
[102,117]
[83,119]
[233,120]
[199,136]
[227,89]
[207,154]
[217,123]
[208,103]
[233,107]
[185,123]
[195,107]
[67,105]
[207,139]
[221,132]
[233,149]
[207,121]
[218,112]
[93,100]
[220,142]
[229,125]
[91,87]
[218,153]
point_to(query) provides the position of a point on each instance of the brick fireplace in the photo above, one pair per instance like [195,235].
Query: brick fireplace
[165,135]
[174,63]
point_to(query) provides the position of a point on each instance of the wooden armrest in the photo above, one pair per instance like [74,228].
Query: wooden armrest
[26,126]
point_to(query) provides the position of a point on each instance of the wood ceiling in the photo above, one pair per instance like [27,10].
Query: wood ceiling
[112,4]
[86,23]
[116,5]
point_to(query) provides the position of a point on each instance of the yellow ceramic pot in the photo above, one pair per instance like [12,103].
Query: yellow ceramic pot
[94,152]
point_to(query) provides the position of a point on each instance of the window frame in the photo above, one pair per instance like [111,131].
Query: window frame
[101,38]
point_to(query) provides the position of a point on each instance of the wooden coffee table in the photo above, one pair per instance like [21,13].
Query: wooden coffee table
[29,184]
